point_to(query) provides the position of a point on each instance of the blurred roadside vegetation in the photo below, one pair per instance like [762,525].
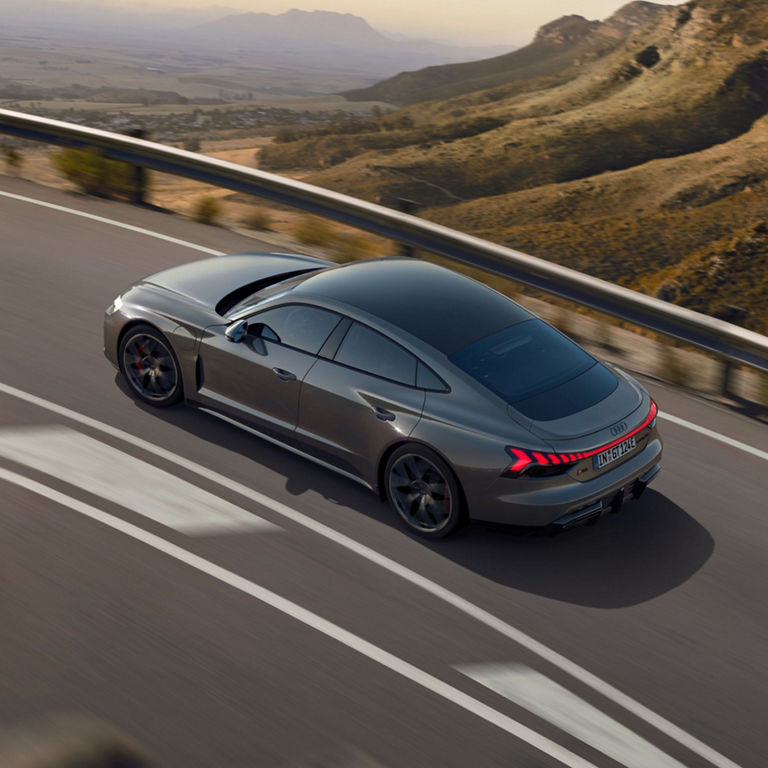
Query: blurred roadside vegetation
[14,160]
[94,174]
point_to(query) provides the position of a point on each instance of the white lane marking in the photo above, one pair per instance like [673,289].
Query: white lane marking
[552,702]
[113,223]
[715,435]
[295,611]
[107,472]
[459,603]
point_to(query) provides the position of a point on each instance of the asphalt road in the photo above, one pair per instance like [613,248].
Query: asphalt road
[332,638]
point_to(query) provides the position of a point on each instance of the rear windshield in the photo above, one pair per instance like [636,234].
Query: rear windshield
[536,370]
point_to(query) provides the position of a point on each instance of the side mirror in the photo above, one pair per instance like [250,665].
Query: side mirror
[263,331]
[237,331]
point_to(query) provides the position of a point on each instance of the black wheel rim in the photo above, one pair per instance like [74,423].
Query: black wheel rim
[149,367]
[420,493]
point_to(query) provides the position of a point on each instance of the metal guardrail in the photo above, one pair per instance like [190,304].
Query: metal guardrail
[725,339]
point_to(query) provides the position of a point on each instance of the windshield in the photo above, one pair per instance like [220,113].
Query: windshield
[255,292]
[537,370]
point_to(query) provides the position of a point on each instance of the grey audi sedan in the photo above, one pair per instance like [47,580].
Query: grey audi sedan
[445,397]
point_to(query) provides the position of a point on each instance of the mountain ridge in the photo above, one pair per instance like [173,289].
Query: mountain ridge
[329,26]
[557,46]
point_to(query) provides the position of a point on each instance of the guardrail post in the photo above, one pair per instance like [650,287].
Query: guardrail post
[406,206]
[138,192]
[736,315]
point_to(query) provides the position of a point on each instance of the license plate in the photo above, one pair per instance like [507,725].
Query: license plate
[605,458]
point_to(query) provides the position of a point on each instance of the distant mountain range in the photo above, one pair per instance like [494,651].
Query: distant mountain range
[295,39]
[326,38]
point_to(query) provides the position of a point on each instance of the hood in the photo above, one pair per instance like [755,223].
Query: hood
[209,280]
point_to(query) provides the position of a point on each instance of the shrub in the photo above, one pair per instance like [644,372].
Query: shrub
[207,210]
[95,174]
[192,144]
[13,159]
[257,218]
[287,134]
[312,230]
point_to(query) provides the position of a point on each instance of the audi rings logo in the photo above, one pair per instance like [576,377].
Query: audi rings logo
[617,429]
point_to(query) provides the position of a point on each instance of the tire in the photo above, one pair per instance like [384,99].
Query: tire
[150,367]
[424,491]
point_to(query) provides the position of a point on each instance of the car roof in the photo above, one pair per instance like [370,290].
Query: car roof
[443,308]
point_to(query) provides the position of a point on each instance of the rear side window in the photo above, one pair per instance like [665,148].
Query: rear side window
[371,352]
[426,378]
[299,325]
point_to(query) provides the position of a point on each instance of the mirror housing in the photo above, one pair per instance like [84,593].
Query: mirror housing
[237,331]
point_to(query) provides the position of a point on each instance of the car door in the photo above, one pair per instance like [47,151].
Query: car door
[258,378]
[357,403]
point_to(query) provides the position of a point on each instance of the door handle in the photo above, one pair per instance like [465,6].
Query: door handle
[284,375]
[383,415]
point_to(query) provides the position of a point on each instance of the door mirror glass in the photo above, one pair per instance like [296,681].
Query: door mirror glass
[237,331]
[263,331]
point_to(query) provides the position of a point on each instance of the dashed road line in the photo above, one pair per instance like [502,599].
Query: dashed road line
[104,471]
[482,616]
[715,435]
[552,702]
[310,619]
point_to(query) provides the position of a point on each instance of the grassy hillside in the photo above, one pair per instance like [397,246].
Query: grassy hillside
[644,166]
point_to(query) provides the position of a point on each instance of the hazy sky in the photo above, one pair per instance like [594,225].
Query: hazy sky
[473,21]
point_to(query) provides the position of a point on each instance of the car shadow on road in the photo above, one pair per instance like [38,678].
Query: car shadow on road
[649,548]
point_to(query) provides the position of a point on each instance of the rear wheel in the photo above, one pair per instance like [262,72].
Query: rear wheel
[424,491]
[150,366]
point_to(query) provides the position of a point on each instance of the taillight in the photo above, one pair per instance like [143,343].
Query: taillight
[535,464]
[540,464]
[651,418]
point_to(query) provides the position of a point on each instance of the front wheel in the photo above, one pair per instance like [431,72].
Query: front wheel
[424,491]
[150,366]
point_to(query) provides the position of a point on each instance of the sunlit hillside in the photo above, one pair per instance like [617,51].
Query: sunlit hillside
[642,164]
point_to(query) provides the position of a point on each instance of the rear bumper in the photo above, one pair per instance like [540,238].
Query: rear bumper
[566,502]
[611,503]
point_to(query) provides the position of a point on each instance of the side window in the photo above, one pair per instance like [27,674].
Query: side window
[371,352]
[298,325]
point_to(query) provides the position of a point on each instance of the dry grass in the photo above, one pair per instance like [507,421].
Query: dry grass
[258,218]
[207,210]
[311,230]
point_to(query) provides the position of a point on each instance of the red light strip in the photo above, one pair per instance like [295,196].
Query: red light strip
[648,419]
[525,458]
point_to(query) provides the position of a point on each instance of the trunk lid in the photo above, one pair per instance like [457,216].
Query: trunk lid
[601,424]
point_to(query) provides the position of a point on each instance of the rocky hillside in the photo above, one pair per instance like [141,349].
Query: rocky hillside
[643,166]
[558,49]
